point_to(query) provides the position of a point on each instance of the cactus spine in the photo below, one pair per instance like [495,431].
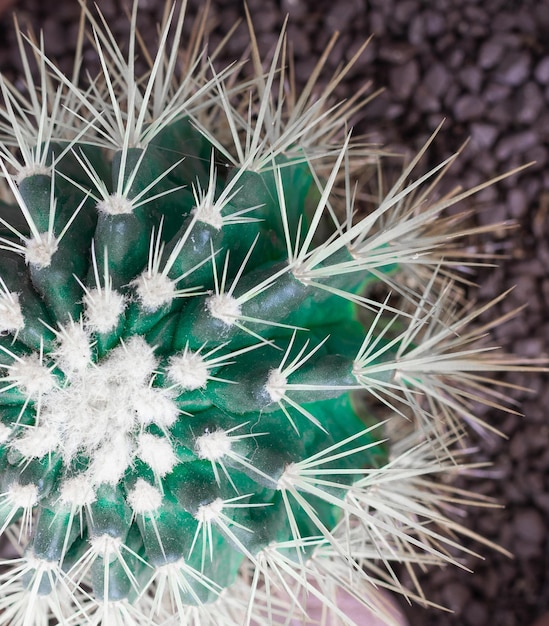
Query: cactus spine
[188,335]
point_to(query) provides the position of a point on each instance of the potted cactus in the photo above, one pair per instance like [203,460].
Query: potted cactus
[209,414]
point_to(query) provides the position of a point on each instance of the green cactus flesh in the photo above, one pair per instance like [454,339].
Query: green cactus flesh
[185,328]
[151,383]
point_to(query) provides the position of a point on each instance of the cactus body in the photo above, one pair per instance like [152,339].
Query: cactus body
[186,331]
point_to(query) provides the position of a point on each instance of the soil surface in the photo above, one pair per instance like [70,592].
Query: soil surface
[483,65]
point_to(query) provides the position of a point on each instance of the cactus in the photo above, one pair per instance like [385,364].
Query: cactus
[208,413]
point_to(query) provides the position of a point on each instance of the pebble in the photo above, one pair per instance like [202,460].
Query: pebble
[300,45]
[514,69]
[396,54]
[436,79]
[267,21]
[54,35]
[515,143]
[529,525]
[425,101]
[538,157]
[403,79]
[445,44]
[296,9]
[541,72]
[469,107]
[476,614]
[456,58]
[496,93]
[456,596]
[377,23]
[403,11]
[518,447]
[435,23]
[539,11]
[530,347]
[416,31]
[542,501]
[518,203]
[529,102]
[343,13]
[483,135]
[471,78]
[489,54]
[475,14]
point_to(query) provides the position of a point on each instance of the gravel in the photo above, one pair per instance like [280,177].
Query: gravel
[483,65]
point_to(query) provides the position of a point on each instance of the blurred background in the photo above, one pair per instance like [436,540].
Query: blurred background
[483,66]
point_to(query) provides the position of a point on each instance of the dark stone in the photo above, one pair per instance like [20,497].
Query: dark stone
[471,78]
[416,31]
[514,69]
[397,53]
[295,8]
[516,143]
[403,79]
[542,500]
[468,107]
[456,596]
[435,23]
[456,58]
[343,13]
[518,202]
[483,135]
[403,11]
[489,54]
[436,79]
[425,101]
[54,34]
[538,155]
[496,93]
[541,72]
[301,45]
[529,103]
[528,524]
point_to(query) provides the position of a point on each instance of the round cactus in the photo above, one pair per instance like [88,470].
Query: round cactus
[207,411]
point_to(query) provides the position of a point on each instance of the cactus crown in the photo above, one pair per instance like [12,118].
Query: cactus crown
[188,324]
